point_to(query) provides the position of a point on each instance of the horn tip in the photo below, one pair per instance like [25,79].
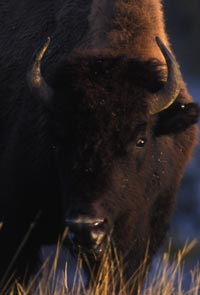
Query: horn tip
[46,45]
[158,40]
[48,40]
[160,43]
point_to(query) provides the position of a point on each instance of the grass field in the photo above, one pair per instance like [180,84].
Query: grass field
[166,279]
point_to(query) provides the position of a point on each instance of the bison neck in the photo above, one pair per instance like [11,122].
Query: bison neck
[127,26]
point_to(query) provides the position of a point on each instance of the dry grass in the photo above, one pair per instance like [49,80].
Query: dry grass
[167,278]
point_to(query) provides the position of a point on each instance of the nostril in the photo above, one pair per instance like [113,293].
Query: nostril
[99,223]
[98,236]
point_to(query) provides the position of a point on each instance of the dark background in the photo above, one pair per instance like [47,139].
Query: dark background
[182,19]
[183,26]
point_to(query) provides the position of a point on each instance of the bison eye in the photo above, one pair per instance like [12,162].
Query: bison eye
[141,142]
[54,147]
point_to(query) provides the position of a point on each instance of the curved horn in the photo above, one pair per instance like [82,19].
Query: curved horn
[36,82]
[167,95]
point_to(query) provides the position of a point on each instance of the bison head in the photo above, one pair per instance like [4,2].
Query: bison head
[121,137]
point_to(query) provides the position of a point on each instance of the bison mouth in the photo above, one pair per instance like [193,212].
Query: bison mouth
[93,255]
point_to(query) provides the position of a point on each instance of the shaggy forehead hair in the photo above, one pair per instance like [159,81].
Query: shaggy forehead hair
[121,80]
[104,98]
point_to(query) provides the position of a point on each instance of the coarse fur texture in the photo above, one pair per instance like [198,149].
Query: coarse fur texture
[82,156]
[128,26]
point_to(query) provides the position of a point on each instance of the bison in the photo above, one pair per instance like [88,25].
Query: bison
[97,128]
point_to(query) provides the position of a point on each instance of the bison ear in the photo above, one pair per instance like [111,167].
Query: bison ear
[177,118]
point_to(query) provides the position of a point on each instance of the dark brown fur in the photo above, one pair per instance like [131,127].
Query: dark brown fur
[82,156]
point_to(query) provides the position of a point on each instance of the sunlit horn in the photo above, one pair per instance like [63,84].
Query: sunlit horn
[36,82]
[167,95]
